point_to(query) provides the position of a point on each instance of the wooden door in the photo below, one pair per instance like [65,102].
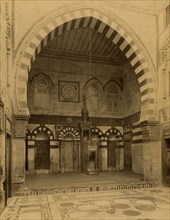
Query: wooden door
[68,156]
[128,155]
[111,154]
[42,154]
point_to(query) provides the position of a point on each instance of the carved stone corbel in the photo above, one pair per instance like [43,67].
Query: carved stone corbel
[150,130]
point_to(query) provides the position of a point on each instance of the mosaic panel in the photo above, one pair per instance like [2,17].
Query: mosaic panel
[126,204]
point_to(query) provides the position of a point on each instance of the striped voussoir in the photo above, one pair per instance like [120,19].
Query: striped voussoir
[44,129]
[110,29]
[71,131]
[137,136]
[117,133]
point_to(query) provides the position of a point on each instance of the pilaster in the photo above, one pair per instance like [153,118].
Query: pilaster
[18,151]
[151,151]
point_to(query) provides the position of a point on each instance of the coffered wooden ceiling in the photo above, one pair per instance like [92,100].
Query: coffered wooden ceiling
[84,43]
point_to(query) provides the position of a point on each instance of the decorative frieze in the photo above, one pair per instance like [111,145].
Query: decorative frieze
[127,133]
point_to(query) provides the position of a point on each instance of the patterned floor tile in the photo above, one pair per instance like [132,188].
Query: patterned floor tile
[143,204]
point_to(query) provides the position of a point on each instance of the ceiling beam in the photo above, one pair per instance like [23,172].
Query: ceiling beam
[79,57]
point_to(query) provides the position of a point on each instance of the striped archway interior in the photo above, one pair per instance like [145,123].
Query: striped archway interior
[42,128]
[110,29]
[69,131]
[117,133]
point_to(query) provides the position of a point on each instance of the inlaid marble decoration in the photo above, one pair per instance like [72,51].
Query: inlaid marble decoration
[68,91]
[132,204]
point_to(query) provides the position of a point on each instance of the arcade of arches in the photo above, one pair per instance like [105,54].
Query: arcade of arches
[84,90]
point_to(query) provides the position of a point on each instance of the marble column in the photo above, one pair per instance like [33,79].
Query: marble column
[103,155]
[54,156]
[121,150]
[62,157]
[79,156]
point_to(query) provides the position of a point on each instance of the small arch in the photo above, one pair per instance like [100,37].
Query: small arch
[92,79]
[116,83]
[114,132]
[69,132]
[95,131]
[42,128]
[41,74]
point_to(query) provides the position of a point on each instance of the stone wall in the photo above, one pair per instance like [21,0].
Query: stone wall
[137,158]
[78,74]
[6,86]
[163,89]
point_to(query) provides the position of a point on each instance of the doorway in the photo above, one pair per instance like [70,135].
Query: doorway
[7,183]
[128,155]
[111,149]
[68,156]
[166,162]
[42,151]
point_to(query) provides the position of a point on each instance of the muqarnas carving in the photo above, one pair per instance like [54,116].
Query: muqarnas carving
[68,91]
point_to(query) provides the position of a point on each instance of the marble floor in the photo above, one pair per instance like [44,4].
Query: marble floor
[40,181]
[143,204]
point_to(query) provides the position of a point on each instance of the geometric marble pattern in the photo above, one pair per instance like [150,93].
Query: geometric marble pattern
[147,203]
[92,188]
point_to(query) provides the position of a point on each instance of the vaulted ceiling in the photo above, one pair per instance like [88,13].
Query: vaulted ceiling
[84,43]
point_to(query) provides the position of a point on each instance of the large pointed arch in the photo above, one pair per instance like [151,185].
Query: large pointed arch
[107,25]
